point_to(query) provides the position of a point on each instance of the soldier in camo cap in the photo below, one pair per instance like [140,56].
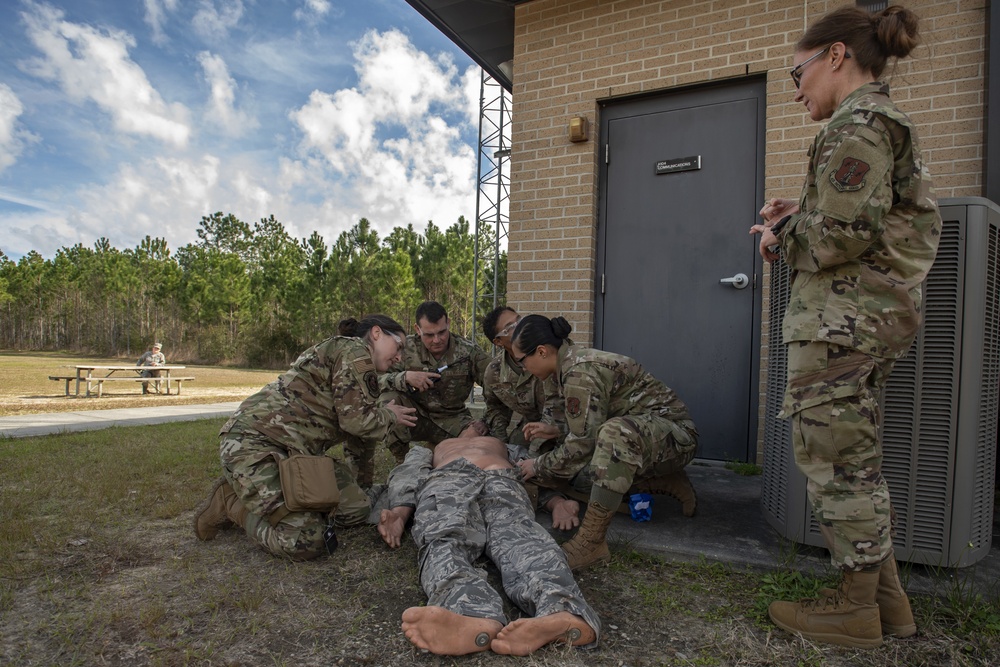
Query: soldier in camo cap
[152,357]
[466,500]
[625,427]
[520,408]
[439,397]
[860,240]
[278,484]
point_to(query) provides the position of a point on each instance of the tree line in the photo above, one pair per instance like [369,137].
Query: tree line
[242,294]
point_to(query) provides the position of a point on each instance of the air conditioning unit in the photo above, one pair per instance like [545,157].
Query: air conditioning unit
[939,421]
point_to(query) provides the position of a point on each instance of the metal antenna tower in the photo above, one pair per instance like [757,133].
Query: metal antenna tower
[492,212]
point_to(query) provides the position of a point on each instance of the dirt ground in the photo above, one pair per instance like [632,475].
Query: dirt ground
[155,595]
[152,594]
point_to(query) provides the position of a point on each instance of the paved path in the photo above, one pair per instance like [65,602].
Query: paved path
[88,420]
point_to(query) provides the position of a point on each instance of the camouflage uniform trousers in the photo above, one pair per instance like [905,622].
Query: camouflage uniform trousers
[463,512]
[430,428]
[249,465]
[832,399]
[634,448]
[150,374]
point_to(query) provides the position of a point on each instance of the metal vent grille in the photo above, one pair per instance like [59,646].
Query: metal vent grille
[939,421]
[920,407]
[777,432]
[981,533]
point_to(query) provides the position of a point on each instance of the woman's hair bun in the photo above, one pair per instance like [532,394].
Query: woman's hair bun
[560,327]
[347,327]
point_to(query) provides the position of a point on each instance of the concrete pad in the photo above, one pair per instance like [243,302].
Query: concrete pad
[729,527]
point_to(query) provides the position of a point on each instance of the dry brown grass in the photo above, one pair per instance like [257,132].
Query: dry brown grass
[25,387]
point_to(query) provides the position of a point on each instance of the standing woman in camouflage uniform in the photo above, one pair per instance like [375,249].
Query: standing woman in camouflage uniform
[860,241]
[624,426]
[278,484]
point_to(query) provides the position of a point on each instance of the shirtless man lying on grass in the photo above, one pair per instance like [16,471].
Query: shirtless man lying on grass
[467,499]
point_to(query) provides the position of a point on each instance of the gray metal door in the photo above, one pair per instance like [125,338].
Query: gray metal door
[680,188]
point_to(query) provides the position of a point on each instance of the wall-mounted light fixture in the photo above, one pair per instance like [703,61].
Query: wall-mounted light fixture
[578,128]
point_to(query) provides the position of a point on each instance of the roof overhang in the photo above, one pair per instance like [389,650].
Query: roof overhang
[484,29]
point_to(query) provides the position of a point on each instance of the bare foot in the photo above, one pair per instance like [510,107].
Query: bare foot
[444,632]
[526,635]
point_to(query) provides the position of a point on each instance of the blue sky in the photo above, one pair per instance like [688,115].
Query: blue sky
[127,118]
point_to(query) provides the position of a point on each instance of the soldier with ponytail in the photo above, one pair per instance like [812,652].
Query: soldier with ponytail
[627,431]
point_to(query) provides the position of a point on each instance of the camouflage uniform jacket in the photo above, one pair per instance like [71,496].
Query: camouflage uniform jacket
[596,386]
[406,479]
[515,397]
[150,358]
[329,392]
[466,365]
[866,234]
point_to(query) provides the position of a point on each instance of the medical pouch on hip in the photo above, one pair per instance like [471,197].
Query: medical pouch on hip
[309,483]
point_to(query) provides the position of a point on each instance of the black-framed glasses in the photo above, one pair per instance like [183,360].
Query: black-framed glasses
[796,72]
[507,330]
[520,362]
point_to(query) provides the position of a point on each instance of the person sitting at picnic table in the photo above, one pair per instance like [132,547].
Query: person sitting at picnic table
[152,357]
[466,499]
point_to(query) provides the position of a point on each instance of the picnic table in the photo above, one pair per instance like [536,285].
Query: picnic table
[88,376]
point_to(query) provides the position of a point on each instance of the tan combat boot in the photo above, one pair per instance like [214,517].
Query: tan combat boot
[893,606]
[589,546]
[676,485]
[222,509]
[849,617]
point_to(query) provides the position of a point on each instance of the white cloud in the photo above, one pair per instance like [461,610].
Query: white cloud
[13,137]
[312,10]
[95,65]
[214,21]
[161,197]
[155,17]
[387,141]
[221,110]
[42,231]
[390,148]
[165,197]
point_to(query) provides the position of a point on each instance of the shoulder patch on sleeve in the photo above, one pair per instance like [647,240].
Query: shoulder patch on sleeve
[577,405]
[371,381]
[855,172]
[850,175]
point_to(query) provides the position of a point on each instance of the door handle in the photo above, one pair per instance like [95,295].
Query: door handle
[739,281]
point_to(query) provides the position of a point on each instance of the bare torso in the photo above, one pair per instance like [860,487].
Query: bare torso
[481,451]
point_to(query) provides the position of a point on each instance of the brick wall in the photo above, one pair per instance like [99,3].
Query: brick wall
[570,55]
